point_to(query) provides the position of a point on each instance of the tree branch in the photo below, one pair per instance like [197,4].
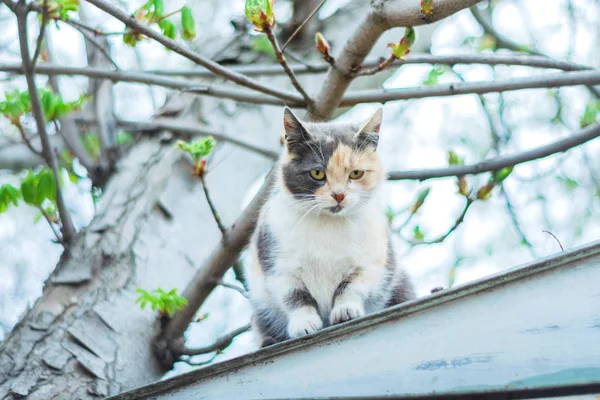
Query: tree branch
[238,289]
[28,142]
[505,43]
[40,39]
[217,69]
[584,135]
[68,230]
[459,220]
[51,224]
[192,129]
[299,28]
[91,39]
[220,344]
[213,209]
[488,59]
[281,58]
[353,98]
[453,89]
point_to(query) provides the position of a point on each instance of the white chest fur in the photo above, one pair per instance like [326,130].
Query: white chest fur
[320,250]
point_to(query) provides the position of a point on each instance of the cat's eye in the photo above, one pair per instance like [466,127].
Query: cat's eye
[356,174]
[317,174]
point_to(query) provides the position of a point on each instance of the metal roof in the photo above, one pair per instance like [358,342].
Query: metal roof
[530,331]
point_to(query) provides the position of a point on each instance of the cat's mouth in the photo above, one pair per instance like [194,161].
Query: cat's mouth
[335,210]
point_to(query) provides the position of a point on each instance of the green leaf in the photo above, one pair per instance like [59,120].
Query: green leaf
[402,48]
[501,175]
[159,8]
[418,235]
[188,24]
[420,200]
[454,159]
[390,214]
[590,114]
[29,188]
[197,149]
[46,187]
[168,29]
[570,183]
[434,74]
[260,13]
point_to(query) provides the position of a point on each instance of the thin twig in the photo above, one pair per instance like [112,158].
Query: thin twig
[189,129]
[516,223]
[459,220]
[453,89]
[505,43]
[213,209]
[281,58]
[59,239]
[238,289]
[199,363]
[217,69]
[584,135]
[558,241]
[220,344]
[451,60]
[94,42]
[298,29]
[382,65]
[68,229]
[40,39]
[28,142]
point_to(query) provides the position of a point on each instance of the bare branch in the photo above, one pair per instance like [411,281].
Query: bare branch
[28,142]
[193,129]
[488,59]
[380,67]
[453,89]
[281,58]
[51,224]
[501,41]
[40,39]
[584,135]
[299,28]
[220,344]
[515,221]
[505,43]
[238,289]
[459,220]
[555,238]
[217,69]
[213,209]
[353,98]
[91,39]
[68,230]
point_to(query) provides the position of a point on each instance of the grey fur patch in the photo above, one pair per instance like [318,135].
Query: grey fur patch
[402,291]
[271,324]
[300,298]
[266,245]
[341,288]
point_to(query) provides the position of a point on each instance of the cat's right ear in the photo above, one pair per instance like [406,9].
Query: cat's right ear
[295,133]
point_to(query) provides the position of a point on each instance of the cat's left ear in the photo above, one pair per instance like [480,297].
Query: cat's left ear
[369,129]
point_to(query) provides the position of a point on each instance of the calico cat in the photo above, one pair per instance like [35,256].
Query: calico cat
[321,252]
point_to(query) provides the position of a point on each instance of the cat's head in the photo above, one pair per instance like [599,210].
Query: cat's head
[333,167]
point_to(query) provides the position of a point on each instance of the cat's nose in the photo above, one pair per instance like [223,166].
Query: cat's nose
[339,197]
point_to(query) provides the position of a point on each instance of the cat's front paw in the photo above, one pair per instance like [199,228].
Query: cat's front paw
[303,322]
[346,311]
